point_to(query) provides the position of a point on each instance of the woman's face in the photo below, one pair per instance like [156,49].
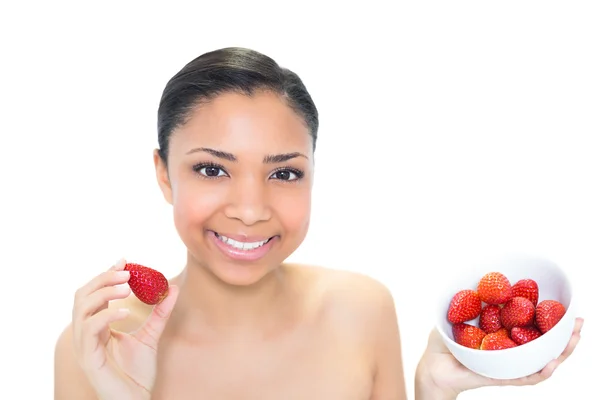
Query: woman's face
[239,178]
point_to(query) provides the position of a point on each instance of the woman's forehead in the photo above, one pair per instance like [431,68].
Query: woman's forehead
[239,123]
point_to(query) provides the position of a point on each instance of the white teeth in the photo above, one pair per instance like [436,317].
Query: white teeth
[242,245]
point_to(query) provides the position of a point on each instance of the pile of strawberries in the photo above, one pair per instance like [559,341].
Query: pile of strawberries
[509,315]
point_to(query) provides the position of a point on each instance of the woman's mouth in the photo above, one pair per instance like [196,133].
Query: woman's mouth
[242,248]
[241,245]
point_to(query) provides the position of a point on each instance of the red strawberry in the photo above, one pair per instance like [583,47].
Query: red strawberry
[527,288]
[521,335]
[467,335]
[489,320]
[494,288]
[502,332]
[147,284]
[548,313]
[464,306]
[497,341]
[518,311]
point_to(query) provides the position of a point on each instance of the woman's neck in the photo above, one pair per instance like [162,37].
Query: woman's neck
[207,302]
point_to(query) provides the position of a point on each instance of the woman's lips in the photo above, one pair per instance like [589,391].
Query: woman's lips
[250,248]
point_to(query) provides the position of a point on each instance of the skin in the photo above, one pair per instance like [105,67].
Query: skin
[232,329]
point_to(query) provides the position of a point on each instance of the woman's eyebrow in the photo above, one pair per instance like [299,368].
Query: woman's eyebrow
[279,158]
[217,153]
[269,159]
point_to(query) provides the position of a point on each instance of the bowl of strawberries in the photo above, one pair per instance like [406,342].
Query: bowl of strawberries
[508,318]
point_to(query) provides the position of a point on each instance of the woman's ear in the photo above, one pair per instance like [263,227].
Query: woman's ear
[162,177]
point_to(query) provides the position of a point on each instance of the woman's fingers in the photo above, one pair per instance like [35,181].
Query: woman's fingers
[114,276]
[91,315]
[95,333]
[99,299]
[98,324]
[89,302]
[573,342]
[149,333]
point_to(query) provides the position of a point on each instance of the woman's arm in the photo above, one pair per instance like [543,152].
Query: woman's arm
[389,381]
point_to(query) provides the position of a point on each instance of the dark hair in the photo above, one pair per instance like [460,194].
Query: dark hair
[232,69]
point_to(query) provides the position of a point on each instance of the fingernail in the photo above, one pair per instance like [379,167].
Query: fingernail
[115,265]
[122,274]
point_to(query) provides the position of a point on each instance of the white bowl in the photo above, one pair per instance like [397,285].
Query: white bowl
[528,358]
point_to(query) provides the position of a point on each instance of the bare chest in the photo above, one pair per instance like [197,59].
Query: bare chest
[318,366]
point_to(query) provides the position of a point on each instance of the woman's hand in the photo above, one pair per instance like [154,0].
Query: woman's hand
[118,365]
[440,370]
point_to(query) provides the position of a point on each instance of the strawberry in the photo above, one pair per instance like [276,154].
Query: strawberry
[489,320]
[497,341]
[502,332]
[524,334]
[464,306]
[527,288]
[548,313]
[467,335]
[494,288]
[518,311]
[147,284]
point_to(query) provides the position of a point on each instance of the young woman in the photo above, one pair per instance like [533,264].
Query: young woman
[236,137]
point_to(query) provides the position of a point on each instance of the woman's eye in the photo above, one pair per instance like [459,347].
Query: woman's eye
[211,172]
[285,175]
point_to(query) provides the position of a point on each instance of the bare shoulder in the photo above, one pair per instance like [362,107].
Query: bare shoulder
[353,295]
[341,286]
[357,303]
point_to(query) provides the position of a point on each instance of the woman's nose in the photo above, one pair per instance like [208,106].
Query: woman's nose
[248,202]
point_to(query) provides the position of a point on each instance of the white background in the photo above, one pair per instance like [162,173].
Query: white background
[449,131]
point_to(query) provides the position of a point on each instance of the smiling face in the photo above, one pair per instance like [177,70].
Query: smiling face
[239,177]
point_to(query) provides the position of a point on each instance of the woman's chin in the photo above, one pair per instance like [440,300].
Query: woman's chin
[236,275]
